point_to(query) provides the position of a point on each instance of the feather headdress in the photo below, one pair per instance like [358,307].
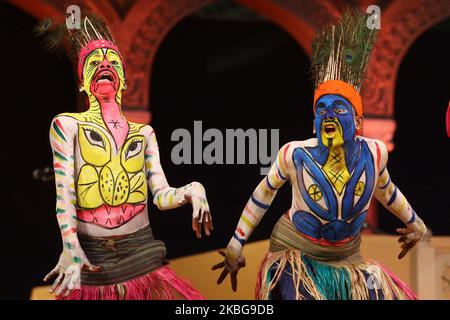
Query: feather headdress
[340,55]
[93,34]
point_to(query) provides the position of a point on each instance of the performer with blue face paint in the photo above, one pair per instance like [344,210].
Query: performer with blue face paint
[315,247]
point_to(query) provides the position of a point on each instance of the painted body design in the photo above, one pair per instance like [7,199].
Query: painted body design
[314,251]
[333,178]
[104,166]
[331,187]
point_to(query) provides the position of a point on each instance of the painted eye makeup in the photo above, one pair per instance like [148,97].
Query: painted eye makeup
[94,138]
[341,111]
[134,148]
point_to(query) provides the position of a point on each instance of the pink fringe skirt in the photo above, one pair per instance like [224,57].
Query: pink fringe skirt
[160,284]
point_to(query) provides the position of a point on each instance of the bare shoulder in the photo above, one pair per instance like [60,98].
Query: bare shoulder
[378,149]
[65,122]
[288,149]
[375,145]
[302,144]
[145,129]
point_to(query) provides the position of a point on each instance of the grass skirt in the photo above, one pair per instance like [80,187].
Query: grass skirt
[296,268]
[160,284]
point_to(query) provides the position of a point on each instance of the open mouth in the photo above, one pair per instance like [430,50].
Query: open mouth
[105,77]
[329,128]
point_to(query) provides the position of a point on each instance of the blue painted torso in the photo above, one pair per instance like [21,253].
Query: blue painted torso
[326,214]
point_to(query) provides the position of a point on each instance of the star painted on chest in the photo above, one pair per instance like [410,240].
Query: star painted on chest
[119,130]
[115,123]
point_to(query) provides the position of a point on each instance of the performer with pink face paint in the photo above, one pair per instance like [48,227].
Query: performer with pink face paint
[104,166]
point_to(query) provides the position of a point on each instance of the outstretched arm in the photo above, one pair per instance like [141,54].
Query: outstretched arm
[72,259]
[166,197]
[392,199]
[252,214]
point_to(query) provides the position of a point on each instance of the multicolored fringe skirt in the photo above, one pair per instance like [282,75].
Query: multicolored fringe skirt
[298,269]
[132,268]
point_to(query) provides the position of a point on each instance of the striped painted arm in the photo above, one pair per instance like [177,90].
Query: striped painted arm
[164,196]
[260,200]
[62,144]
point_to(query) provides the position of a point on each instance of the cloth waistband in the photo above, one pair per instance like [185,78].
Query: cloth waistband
[122,258]
[285,236]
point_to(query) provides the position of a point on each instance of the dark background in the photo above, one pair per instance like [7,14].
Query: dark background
[229,74]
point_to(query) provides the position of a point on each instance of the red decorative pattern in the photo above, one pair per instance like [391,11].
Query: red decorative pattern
[110,217]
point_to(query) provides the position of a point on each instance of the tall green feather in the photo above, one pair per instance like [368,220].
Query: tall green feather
[348,44]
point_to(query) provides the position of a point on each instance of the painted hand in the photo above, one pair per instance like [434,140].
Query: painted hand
[411,235]
[68,271]
[232,263]
[200,215]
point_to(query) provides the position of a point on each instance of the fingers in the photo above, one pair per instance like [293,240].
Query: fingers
[206,229]
[403,253]
[406,247]
[199,229]
[65,282]
[51,274]
[210,223]
[402,231]
[222,276]
[207,223]
[409,237]
[222,253]
[196,227]
[56,282]
[218,266]
[196,224]
[72,284]
[233,276]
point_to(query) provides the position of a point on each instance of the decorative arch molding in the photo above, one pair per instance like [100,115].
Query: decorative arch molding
[160,16]
[412,19]
[141,25]
[149,31]
[402,23]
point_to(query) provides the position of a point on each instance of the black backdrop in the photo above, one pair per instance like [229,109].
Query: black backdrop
[420,165]
[228,74]
[34,87]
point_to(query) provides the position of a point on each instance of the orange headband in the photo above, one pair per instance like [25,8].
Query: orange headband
[342,88]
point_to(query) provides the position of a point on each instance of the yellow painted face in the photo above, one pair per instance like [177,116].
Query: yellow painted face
[94,72]
[108,177]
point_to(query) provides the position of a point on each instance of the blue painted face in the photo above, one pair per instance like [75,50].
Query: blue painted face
[334,120]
